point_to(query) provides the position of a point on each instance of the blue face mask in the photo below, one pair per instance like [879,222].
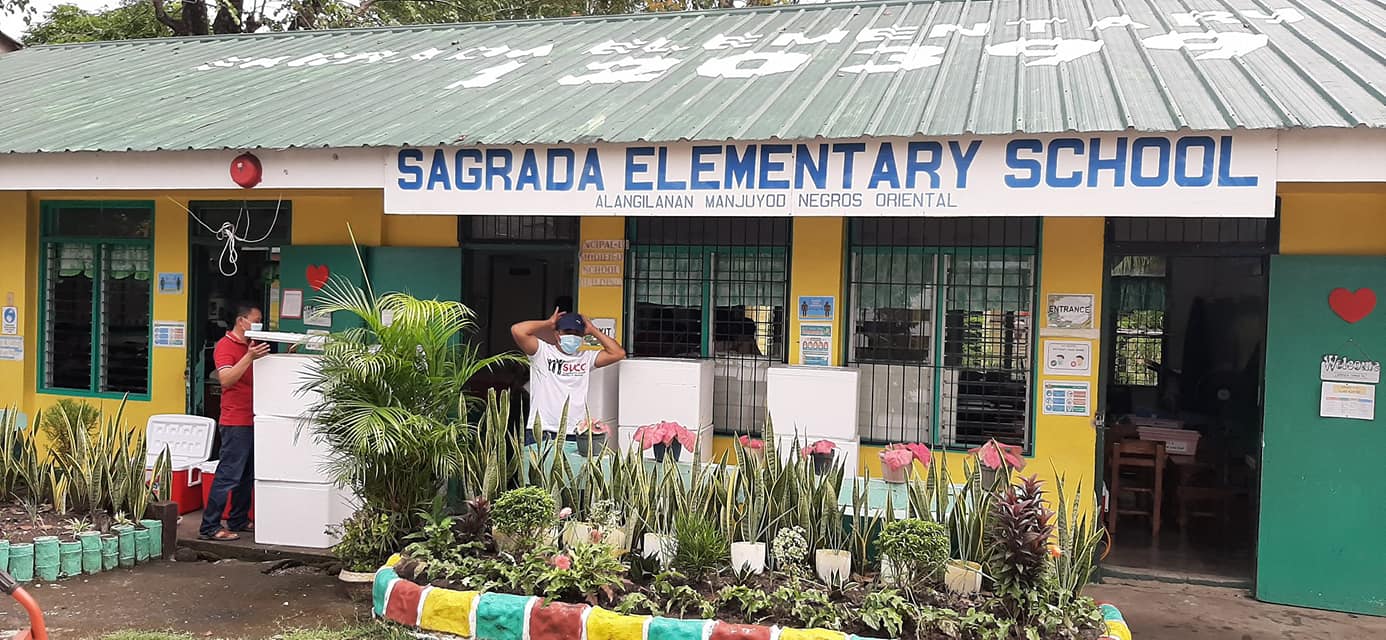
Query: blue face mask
[569,344]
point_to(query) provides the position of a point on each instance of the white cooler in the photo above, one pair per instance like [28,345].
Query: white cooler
[189,443]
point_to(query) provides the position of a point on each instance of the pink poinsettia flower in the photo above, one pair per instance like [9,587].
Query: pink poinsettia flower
[565,513]
[561,561]
[819,448]
[665,433]
[993,454]
[752,444]
[921,453]
[593,426]
[897,459]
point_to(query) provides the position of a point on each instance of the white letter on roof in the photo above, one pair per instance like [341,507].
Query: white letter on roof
[1278,16]
[1046,52]
[882,34]
[765,63]
[1112,22]
[720,41]
[899,58]
[626,69]
[1192,18]
[797,38]
[977,30]
[488,76]
[263,63]
[537,52]
[1216,45]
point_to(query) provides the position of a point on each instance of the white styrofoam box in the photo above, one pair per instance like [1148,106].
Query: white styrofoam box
[188,439]
[658,389]
[625,439]
[896,402]
[279,381]
[817,402]
[848,451]
[738,393]
[604,394]
[284,452]
[297,514]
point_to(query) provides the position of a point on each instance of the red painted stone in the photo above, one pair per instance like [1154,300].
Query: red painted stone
[556,621]
[725,631]
[403,606]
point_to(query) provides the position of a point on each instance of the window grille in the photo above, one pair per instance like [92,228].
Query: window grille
[941,328]
[96,297]
[268,221]
[1139,285]
[1250,233]
[713,288]
[547,229]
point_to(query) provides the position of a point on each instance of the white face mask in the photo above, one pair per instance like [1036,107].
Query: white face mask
[257,326]
[569,344]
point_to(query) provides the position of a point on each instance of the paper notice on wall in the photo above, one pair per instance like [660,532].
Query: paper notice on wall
[1067,398]
[315,317]
[1069,311]
[1347,400]
[11,348]
[816,345]
[170,334]
[1067,358]
[292,305]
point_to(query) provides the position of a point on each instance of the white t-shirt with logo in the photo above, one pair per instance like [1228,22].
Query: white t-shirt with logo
[556,379]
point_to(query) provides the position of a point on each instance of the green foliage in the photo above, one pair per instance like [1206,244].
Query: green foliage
[702,548]
[886,611]
[750,602]
[810,608]
[680,599]
[593,574]
[789,549]
[1079,535]
[69,422]
[636,604]
[367,540]
[525,513]
[1021,528]
[918,550]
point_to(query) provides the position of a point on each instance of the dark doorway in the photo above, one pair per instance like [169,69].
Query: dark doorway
[1186,309]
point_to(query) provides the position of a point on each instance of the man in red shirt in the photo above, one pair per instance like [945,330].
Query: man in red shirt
[234,357]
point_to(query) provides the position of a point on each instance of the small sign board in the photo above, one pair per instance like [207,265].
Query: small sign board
[11,348]
[816,307]
[1347,400]
[1335,368]
[1069,311]
[816,345]
[170,334]
[1067,398]
[171,283]
[1067,358]
[9,321]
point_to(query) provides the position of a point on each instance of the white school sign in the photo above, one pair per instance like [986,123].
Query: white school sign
[1218,174]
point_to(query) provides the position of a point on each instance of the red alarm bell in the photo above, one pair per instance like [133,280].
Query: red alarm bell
[246,170]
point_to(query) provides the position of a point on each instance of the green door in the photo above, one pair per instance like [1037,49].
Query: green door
[1323,494]
[425,273]
[306,270]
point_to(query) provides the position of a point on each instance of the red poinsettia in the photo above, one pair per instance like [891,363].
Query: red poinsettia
[751,444]
[992,454]
[820,448]
[665,433]
[593,426]
[898,456]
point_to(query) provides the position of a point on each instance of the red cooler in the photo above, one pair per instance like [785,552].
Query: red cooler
[209,474]
[189,442]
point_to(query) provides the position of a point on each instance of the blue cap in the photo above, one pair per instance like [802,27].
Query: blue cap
[571,322]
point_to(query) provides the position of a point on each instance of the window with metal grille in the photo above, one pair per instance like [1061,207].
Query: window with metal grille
[556,229]
[267,222]
[712,288]
[941,328]
[1246,232]
[96,296]
[1139,285]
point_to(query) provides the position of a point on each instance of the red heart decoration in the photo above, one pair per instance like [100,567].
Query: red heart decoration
[1352,306]
[317,276]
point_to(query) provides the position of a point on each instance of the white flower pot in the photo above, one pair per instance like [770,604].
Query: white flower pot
[660,547]
[617,539]
[748,557]
[577,532]
[888,573]
[356,577]
[834,566]
[963,577]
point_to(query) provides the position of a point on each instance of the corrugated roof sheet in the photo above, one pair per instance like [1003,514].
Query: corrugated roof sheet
[834,70]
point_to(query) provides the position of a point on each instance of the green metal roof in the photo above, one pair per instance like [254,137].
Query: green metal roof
[837,70]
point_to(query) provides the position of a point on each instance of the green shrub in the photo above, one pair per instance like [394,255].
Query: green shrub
[587,571]
[525,513]
[367,539]
[69,421]
[917,549]
[702,547]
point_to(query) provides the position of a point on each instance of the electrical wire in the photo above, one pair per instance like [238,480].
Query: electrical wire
[227,233]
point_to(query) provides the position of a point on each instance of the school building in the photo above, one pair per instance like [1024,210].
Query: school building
[1062,226]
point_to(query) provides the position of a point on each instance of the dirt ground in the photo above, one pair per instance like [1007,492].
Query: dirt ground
[1164,611]
[231,600]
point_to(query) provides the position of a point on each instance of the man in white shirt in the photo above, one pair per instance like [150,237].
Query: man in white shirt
[559,370]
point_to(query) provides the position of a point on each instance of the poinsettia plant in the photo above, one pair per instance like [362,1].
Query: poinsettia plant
[594,427]
[993,455]
[751,444]
[664,433]
[898,456]
[819,448]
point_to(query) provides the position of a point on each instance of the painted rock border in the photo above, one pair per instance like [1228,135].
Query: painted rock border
[501,616]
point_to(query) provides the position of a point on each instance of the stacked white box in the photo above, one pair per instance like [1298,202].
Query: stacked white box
[816,402]
[604,394]
[847,451]
[656,390]
[295,502]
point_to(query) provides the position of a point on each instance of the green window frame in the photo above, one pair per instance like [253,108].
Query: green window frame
[713,288]
[944,335]
[96,265]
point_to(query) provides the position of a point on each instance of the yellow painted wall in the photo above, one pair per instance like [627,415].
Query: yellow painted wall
[1333,219]
[601,302]
[816,270]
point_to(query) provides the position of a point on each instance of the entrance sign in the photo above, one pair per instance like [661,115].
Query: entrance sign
[1069,311]
[1100,175]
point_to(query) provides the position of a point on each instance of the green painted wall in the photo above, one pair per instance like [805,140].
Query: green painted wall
[425,273]
[1323,494]
[342,266]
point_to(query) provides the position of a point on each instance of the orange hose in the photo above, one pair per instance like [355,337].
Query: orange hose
[37,629]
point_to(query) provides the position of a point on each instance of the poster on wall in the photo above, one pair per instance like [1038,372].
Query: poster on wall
[816,345]
[170,334]
[11,348]
[816,307]
[602,263]
[1069,311]
[1347,400]
[1067,398]
[9,321]
[1067,358]
[292,305]
[315,317]
[170,283]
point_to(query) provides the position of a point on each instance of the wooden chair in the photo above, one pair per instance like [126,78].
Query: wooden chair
[1138,456]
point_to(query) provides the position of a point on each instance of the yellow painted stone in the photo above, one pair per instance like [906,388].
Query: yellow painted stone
[449,611]
[811,634]
[394,560]
[607,625]
[1118,629]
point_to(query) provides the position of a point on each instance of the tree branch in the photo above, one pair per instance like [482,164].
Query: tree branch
[179,29]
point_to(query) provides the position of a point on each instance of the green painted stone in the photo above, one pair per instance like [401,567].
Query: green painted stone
[501,616]
[381,588]
[672,629]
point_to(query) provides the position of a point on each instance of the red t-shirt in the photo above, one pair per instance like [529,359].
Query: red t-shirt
[237,400]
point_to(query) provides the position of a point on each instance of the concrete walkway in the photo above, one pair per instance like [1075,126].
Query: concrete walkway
[1165,611]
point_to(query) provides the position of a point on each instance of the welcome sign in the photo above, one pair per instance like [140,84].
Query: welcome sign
[1107,175]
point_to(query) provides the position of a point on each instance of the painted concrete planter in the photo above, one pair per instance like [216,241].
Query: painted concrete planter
[963,577]
[748,556]
[833,566]
[500,616]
